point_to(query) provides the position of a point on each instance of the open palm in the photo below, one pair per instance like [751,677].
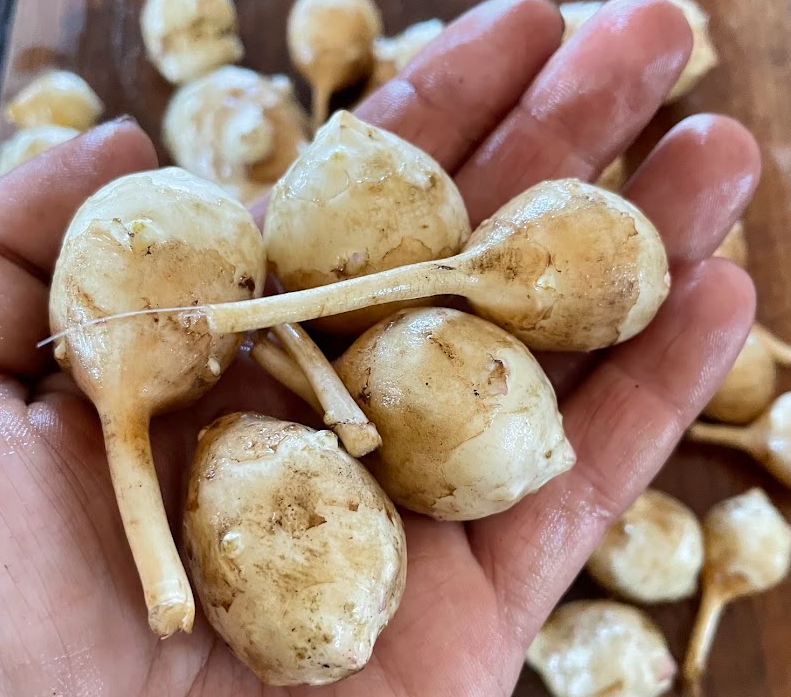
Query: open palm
[501,109]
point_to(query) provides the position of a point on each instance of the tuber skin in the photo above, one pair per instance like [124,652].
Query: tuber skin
[56,98]
[701,61]
[469,421]
[357,201]
[150,240]
[236,128]
[393,53]
[331,45]
[341,413]
[26,144]
[185,39]
[653,554]
[565,266]
[767,439]
[306,564]
[748,551]
[734,246]
[752,382]
[598,648]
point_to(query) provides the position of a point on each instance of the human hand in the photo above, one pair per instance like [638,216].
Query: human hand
[493,104]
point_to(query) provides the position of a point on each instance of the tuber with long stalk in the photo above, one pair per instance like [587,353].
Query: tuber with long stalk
[150,240]
[653,554]
[331,45]
[297,555]
[469,422]
[599,648]
[236,128]
[360,200]
[748,551]
[751,383]
[767,439]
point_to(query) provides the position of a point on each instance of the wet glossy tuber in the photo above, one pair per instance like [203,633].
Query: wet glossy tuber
[598,648]
[236,128]
[357,201]
[298,557]
[147,240]
[653,554]
[748,551]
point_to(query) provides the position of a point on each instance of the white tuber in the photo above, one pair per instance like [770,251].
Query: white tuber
[357,201]
[26,144]
[185,39]
[653,554]
[149,240]
[297,555]
[598,648]
[751,383]
[56,98]
[393,53]
[236,128]
[748,551]
[767,439]
[331,44]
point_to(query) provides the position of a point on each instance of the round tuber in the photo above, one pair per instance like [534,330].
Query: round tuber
[26,144]
[331,44]
[752,382]
[185,39]
[56,98]
[767,439]
[653,554]
[598,648]
[298,557]
[748,551]
[150,240]
[357,201]
[236,128]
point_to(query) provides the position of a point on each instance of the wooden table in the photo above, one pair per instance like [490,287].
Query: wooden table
[751,657]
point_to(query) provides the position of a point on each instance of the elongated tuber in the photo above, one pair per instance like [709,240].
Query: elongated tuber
[598,648]
[469,422]
[734,246]
[56,98]
[357,201]
[236,128]
[341,413]
[185,39]
[752,382]
[767,439]
[653,554]
[331,44]
[26,144]
[701,61]
[748,551]
[393,53]
[150,240]
[298,557]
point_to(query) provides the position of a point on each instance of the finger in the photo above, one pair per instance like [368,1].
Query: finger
[37,200]
[458,89]
[693,186]
[588,103]
[624,421]
[696,184]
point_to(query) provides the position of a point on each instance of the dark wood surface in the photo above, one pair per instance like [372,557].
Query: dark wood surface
[101,41]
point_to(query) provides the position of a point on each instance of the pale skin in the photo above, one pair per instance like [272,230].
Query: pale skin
[73,617]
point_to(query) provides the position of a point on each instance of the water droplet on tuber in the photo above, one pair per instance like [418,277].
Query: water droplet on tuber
[598,648]
[653,554]
[306,602]
[196,242]
[748,551]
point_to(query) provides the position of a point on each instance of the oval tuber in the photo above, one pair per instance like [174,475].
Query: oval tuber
[147,240]
[298,557]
